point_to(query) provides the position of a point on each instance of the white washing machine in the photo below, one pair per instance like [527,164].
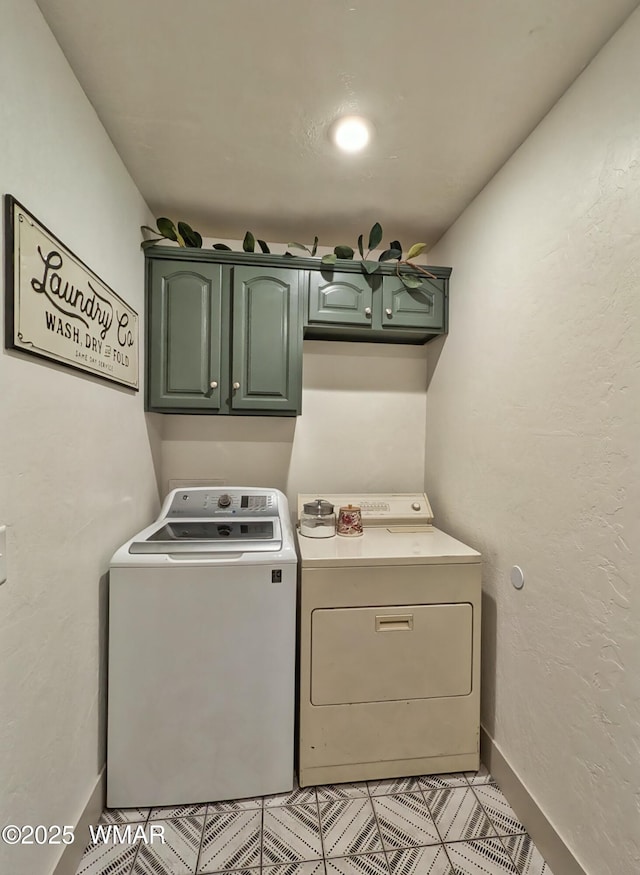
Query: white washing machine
[389,646]
[202,616]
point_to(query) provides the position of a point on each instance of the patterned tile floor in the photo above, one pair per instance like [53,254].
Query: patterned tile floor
[434,825]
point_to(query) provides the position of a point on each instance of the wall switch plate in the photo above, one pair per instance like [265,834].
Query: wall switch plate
[3,554]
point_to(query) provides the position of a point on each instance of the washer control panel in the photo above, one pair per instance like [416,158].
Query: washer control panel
[203,502]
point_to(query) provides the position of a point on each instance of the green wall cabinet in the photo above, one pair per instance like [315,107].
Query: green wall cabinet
[379,308]
[223,338]
[224,329]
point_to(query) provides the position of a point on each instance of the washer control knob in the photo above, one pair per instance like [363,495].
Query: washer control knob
[415,505]
[224,500]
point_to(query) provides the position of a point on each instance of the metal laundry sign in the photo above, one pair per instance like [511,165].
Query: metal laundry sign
[56,307]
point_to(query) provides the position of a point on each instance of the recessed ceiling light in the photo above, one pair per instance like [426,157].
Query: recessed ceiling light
[351,133]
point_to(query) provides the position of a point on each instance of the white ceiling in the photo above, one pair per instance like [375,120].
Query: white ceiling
[220,108]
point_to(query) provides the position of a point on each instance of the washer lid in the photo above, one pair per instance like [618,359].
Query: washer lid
[210,536]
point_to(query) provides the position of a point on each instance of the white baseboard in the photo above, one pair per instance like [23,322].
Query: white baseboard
[554,850]
[72,854]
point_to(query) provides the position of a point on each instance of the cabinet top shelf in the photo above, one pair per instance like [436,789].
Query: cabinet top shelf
[259,259]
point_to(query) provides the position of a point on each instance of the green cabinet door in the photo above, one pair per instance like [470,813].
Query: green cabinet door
[412,308]
[186,366]
[266,360]
[340,298]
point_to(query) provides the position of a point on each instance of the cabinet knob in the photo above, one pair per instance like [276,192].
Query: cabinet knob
[214,384]
[388,312]
[367,311]
[236,385]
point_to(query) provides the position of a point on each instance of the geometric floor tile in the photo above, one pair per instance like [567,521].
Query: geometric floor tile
[231,840]
[449,824]
[349,828]
[235,805]
[392,786]
[404,821]
[442,782]
[482,776]
[297,796]
[458,815]
[486,857]
[420,861]
[361,864]
[291,834]
[124,815]
[171,811]
[342,791]
[501,814]
[526,856]
[177,855]
[116,859]
[313,867]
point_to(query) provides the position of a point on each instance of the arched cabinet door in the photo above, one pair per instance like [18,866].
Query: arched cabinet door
[412,308]
[266,359]
[186,362]
[340,298]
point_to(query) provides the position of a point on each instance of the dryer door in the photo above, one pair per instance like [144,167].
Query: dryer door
[384,654]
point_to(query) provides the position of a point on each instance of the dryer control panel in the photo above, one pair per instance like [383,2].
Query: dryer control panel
[381,509]
[207,502]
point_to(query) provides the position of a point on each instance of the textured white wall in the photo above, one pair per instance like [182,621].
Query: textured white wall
[362,428]
[76,471]
[533,442]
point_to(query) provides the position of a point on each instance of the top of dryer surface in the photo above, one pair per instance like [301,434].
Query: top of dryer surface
[379,546]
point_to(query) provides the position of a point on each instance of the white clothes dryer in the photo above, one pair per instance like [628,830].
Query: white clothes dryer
[389,646]
[202,608]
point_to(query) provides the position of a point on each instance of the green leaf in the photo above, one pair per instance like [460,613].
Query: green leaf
[416,249]
[375,235]
[298,246]
[370,266]
[147,243]
[329,259]
[343,251]
[264,247]
[190,237]
[411,282]
[249,242]
[222,246]
[147,228]
[314,248]
[289,255]
[389,254]
[396,244]
[360,246]
[167,228]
